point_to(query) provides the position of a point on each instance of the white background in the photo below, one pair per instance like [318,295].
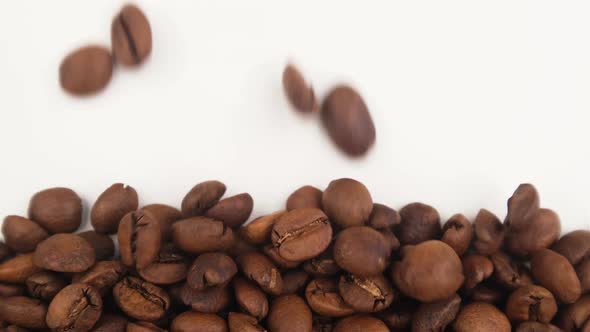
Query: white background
[470,98]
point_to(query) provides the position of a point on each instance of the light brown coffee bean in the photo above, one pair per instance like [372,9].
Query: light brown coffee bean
[111,206]
[64,253]
[299,93]
[131,36]
[233,211]
[141,300]
[201,198]
[86,70]
[419,223]
[75,308]
[21,234]
[258,230]
[305,197]
[16,270]
[347,203]
[57,210]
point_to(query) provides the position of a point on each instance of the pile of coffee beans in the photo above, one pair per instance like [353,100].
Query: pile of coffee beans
[333,260]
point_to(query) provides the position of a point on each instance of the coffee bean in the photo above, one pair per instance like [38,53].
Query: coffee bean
[574,246]
[347,203]
[14,328]
[201,234]
[323,296]
[299,93]
[537,327]
[210,300]
[58,210]
[400,317]
[383,217]
[543,230]
[481,317]
[233,211]
[555,272]
[294,281]
[576,315]
[110,323]
[390,239]
[322,324]
[23,311]
[243,323]
[86,71]
[102,276]
[64,253]
[16,270]
[202,197]
[8,290]
[457,233]
[289,313]
[250,298]
[323,265]
[522,206]
[583,271]
[508,272]
[44,285]
[366,294]
[169,267]
[77,307]
[476,269]
[211,269]
[489,233]
[305,197]
[256,267]
[21,234]
[104,247]
[166,215]
[143,327]
[141,300]
[5,251]
[272,252]
[531,303]
[439,268]
[111,206]
[258,231]
[361,251]
[347,120]
[360,323]
[419,223]
[436,316]
[240,246]
[131,36]
[139,239]
[484,293]
[198,322]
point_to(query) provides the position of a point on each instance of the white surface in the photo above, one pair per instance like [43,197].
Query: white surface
[470,98]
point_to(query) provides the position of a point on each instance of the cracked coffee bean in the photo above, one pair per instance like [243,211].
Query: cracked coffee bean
[45,285]
[324,298]
[531,303]
[139,239]
[75,308]
[168,268]
[131,36]
[141,300]
[366,294]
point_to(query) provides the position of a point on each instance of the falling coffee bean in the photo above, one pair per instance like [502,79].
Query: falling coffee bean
[111,206]
[131,36]
[77,307]
[86,70]
[299,93]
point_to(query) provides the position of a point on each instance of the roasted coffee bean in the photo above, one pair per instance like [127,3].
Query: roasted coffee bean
[191,321]
[531,303]
[272,252]
[202,197]
[211,300]
[110,323]
[250,298]
[419,223]
[294,281]
[489,233]
[240,246]
[457,233]
[139,239]
[301,234]
[360,323]
[305,197]
[141,300]
[131,36]
[102,276]
[323,265]
[166,215]
[233,211]
[574,246]
[58,210]
[211,269]
[543,230]
[366,294]
[8,290]
[111,206]
[522,206]
[492,295]
[243,323]
[537,327]
[390,238]
[170,267]
[481,317]
[44,285]
[583,271]
[289,313]
[476,269]
[299,93]
[398,317]
[322,324]
[438,267]
[104,247]
[143,327]
[362,251]
[14,328]
[383,217]
[77,307]
[23,311]
[5,251]
[258,231]
[16,270]
[436,316]
[201,234]
[347,120]
[508,272]
[64,253]
[258,268]
[323,296]
[555,272]
[347,203]
[22,234]
[576,315]
[86,71]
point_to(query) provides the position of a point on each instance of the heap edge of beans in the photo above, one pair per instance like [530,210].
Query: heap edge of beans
[332,260]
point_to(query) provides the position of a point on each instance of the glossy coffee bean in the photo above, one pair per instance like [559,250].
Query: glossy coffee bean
[202,197]
[362,251]
[299,93]
[481,317]
[554,272]
[508,272]
[439,268]
[44,285]
[9,290]
[523,204]
[360,323]
[77,307]
[5,251]
[383,217]
[131,36]
[64,253]
[111,206]
[347,120]
[16,270]
[21,234]
[102,276]
[166,215]
[574,246]
[457,232]
[575,316]
[531,303]
[250,298]
[23,311]
[347,203]
[57,210]
[419,223]
[301,234]
[436,316]
[233,211]
[86,71]
[258,268]
[243,323]
[104,247]
[543,230]
[324,298]
[323,265]
[305,197]
[272,252]
[191,321]
[110,323]
[489,233]
[211,269]
[289,313]
[143,327]
[258,231]
[366,294]
[201,234]
[294,281]
[537,327]
[170,267]
[139,239]
[210,300]
[141,300]
[476,269]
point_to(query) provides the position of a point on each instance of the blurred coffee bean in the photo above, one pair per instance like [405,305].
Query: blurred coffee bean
[21,234]
[143,327]
[575,316]
[481,317]
[110,323]
[362,251]
[64,253]
[243,323]
[457,233]
[574,246]
[139,239]
[111,206]
[419,223]
[85,71]
[436,316]
[398,317]
[201,234]
[390,239]
[383,217]
[554,272]
[8,290]
[537,327]
[488,294]
[131,36]
[104,247]
[202,197]
[58,210]
[305,197]
[323,296]
[347,203]
[489,233]
[233,211]
[211,269]
[583,271]
[299,93]
[531,303]
[289,313]
[323,265]
[5,251]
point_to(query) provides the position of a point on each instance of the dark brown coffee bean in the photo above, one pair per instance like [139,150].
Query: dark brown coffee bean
[5,251]
[58,210]
[104,247]
[323,265]
[166,215]
[323,296]
[399,317]
[347,120]
[555,272]
[301,234]
[141,300]
[436,316]
[476,269]
[575,315]
[522,206]
[86,71]
[170,267]
[419,223]
[537,327]
[250,298]
[574,246]
[110,323]
[77,307]
[258,231]
[243,323]
[299,93]
[198,322]
[139,239]
[362,251]
[531,303]
[21,234]
[457,233]
[111,206]
[8,290]
[131,36]
[489,233]
[102,276]
[258,268]
[360,323]
[487,294]
[233,211]
[383,217]
[543,230]
[366,294]
[481,317]
[23,311]
[347,203]
[16,270]
[143,327]
[64,253]
[294,281]
[210,300]
[211,269]
[289,313]
[202,197]
[44,285]
[583,271]
[439,268]
[305,197]
[508,272]
[272,252]
[201,234]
